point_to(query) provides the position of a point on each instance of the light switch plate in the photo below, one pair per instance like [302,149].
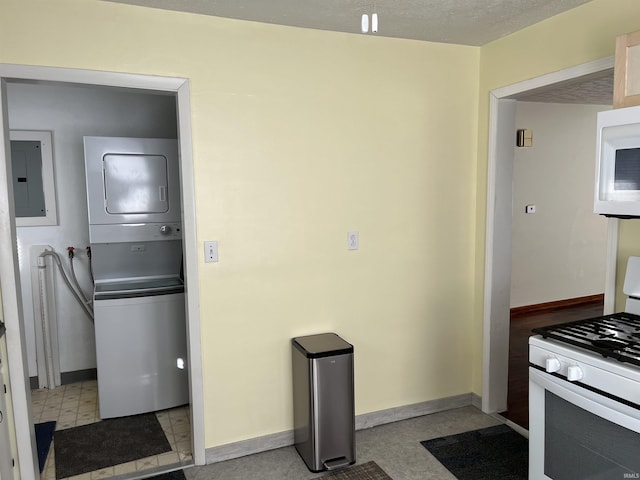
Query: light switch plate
[211,251]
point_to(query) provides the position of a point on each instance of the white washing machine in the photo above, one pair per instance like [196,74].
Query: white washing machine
[136,242]
[142,355]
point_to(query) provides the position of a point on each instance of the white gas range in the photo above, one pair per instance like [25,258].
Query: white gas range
[584,394]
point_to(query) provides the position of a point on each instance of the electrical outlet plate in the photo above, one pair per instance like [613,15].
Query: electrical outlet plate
[353,241]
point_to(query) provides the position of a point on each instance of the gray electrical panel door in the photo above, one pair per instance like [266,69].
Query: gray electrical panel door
[26,166]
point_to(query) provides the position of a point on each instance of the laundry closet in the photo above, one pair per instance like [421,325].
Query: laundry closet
[126,256]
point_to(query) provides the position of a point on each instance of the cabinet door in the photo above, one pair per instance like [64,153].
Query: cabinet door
[626,86]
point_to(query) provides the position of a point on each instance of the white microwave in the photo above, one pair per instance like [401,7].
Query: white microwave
[617,186]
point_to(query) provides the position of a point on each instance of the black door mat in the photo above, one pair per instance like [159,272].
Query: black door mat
[493,453]
[366,471]
[110,442]
[176,475]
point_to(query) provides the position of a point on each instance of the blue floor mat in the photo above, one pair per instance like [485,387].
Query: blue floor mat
[44,435]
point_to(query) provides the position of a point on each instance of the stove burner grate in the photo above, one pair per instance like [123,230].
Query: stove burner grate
[615,336]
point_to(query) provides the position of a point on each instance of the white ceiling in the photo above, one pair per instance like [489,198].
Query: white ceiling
[463,22]
[595,89]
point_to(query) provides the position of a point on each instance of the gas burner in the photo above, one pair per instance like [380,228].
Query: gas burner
[616,336]
[610,343]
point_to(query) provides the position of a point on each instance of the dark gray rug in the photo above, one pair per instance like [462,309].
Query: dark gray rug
[107,443]
[493,453]
[177,475]
[366,471]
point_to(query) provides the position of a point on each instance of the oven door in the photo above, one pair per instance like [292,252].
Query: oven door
[576,433]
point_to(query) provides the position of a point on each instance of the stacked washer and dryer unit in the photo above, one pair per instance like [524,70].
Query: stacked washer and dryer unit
[133,192]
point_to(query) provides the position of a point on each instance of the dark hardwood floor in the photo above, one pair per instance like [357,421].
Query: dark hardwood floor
[522,322]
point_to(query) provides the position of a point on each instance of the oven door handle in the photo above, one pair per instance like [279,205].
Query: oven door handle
[599,405]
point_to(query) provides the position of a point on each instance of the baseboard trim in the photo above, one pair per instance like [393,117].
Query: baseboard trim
[367,420]
[78,376]
[34,384]
[248,447]
[570,302]
[69,377]
[390,415]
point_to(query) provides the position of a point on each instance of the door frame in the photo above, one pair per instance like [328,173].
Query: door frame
[497,267]
[9,271]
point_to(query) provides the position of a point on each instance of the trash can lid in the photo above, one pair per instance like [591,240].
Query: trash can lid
[322,345]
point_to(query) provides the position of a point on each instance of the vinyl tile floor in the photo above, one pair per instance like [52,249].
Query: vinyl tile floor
[395,447]
[77,404]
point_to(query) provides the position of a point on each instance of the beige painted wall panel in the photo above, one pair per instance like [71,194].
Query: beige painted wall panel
[300,136]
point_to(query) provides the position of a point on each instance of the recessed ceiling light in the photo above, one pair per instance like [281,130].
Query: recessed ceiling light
[365,23]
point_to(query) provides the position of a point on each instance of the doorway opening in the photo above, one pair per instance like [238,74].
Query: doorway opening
[498,247]
[177,90]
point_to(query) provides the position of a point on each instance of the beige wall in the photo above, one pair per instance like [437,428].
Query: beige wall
[559,252]
[583,34]
[298,137]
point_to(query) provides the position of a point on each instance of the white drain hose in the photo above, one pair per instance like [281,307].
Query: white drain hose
[76,295]
[85,299]
[46,327]
[44,293]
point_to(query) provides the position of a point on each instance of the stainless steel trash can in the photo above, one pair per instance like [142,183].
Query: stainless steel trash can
[323,401]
